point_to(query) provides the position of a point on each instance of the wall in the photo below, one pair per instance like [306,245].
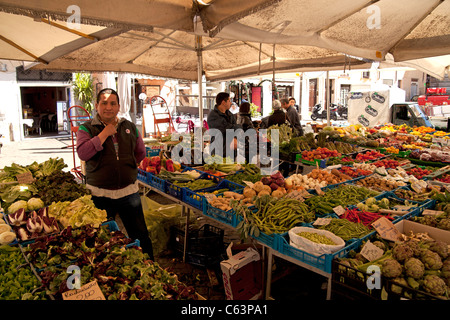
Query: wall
[10,122]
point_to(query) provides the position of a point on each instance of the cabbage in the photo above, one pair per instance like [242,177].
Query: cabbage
[18,205]
[35,204]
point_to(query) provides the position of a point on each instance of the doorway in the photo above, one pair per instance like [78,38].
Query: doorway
[39,109]
[312,93]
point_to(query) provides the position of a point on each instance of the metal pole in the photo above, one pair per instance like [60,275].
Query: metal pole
[198,47]
[327,104]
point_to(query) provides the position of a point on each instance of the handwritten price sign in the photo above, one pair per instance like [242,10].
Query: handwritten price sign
[90,291]
[386,229]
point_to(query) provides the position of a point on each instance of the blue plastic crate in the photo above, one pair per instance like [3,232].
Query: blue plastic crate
[174,190]
[152,180]
[322,262]
[193,198]
[226,217]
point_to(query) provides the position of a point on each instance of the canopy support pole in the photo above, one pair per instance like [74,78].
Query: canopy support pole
[327,104]
[199,49]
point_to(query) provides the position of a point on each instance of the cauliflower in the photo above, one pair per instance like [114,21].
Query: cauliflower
[414,268]
[431,260]
[440,247]
[402,251]
[434,285]
[35,204]
[391,268]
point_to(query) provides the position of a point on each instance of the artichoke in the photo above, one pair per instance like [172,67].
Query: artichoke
[397,289]
[444,224]
[414,268]
[440,247]
[434,285]
[379,244]
[402,251]
[428,220]
[431,260]
[445,271]
[391,268]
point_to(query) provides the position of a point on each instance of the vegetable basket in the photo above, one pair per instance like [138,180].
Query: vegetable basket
[322,262]
[152,180]
[226,217]
[195,199]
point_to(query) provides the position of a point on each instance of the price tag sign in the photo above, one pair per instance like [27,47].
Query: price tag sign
[25,178]
[322,221]
[319,191]
[386,229]
[371,252]
[428,212]
[339,210]
[90,291]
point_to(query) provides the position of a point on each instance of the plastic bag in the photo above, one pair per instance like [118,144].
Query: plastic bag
[312,247]
[159,218]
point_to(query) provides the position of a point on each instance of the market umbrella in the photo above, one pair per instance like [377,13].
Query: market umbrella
[408,29]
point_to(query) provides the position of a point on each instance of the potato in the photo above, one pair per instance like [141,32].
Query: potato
[258,186]
[249,192]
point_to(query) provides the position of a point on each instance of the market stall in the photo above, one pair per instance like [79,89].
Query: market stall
[351,178]
[360,195]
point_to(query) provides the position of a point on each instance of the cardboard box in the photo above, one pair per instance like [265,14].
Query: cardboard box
[406,226]
[242,275]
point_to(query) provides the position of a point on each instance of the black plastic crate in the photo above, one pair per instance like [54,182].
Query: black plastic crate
[206,240]
[352,282]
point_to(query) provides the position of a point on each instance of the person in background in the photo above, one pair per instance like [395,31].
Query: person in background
[222,119]
[292,103]
[112,149]
[292,117]
[245,120]
[244,117]
[278,116]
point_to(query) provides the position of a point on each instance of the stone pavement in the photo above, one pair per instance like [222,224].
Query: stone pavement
[39,149]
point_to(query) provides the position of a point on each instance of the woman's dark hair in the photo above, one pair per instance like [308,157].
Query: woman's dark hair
[244,107]
[108,91]
[221,96]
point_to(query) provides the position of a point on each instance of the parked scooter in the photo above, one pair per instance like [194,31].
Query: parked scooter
[318,113]
[342,111]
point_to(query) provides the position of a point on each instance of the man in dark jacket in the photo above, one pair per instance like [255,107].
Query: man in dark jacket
[292,117]
[221,118]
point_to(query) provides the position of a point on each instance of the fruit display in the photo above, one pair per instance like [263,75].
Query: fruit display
[387,163]
[369,155]
[418,172]
[392,150]
[445,178]
[354,172]
[319,153]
